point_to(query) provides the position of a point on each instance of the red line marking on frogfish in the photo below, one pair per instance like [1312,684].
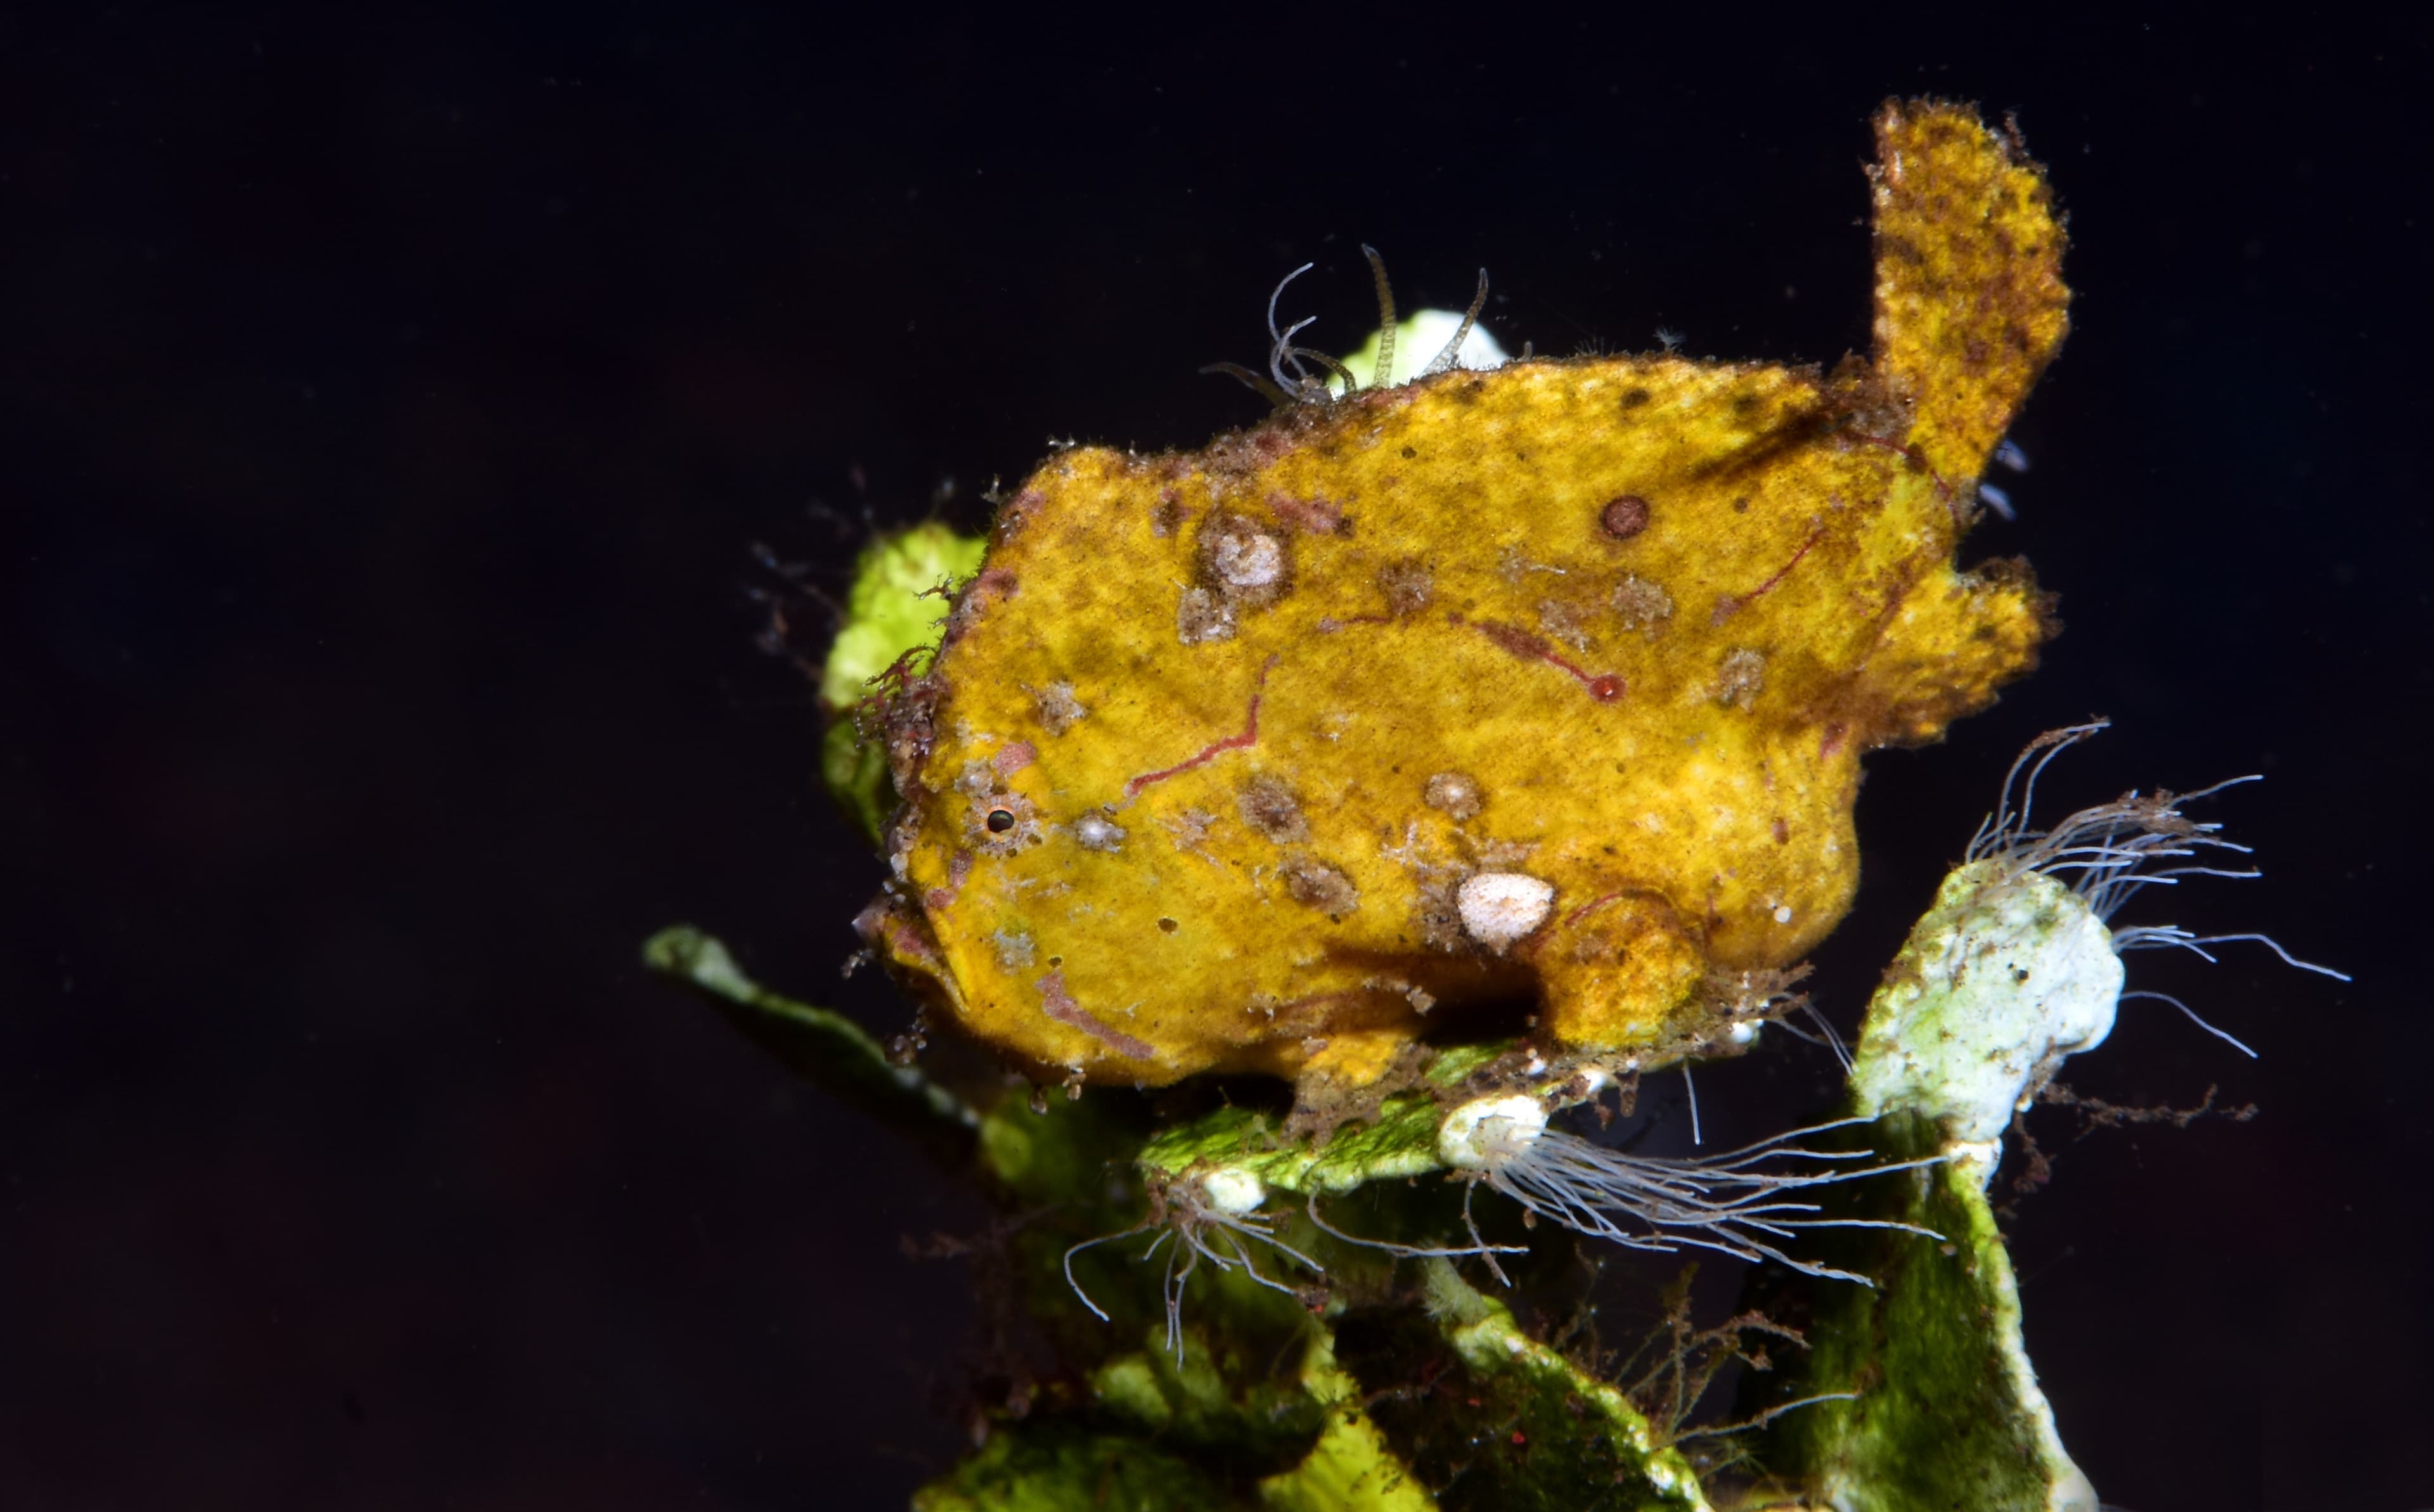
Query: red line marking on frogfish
[1586,908]
[1917,460]
[1604,687]
[1058,1004]
[1208,752]
[1729,605]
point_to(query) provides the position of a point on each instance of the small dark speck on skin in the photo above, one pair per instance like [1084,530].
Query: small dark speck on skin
[1625,518]
[1168,925]
[1409,453]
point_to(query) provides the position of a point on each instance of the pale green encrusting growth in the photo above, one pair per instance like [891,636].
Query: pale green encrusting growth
[2016,966]
[2006,975]
[1352,1469]
[2013,969]
[896,608]
[896,605]
[2003,977]
[1944,1406]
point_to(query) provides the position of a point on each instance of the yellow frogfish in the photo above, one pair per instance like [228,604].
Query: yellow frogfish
[1546,685]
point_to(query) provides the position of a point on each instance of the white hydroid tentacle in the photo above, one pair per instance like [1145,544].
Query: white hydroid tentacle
[1744,1202]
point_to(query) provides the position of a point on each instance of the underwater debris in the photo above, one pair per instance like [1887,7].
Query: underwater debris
[1336,601]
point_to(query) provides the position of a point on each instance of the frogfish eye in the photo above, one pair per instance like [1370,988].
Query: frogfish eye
[1000,820]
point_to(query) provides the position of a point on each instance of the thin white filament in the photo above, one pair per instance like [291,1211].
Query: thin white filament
[1280,342]
[1833,1038]
[2108,853]
[2110,850]
[1477,1248]
[2001,828]
[2152,937]
[1722,1203]
[1191,1226]
[2194,1019]
[1767,1417]
[1826,1036]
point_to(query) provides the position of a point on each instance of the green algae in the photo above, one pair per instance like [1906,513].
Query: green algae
[823,1047]
[896,609]
[2003,975]
[1061,1468]
[896,605]
[1396,1142]
[1946,1412]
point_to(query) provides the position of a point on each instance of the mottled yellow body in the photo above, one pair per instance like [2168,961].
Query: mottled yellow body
[1259,759]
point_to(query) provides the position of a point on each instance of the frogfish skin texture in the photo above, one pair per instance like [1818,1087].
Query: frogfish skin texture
[1551,682]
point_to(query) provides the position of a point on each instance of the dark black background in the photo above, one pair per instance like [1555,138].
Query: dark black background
[392,399]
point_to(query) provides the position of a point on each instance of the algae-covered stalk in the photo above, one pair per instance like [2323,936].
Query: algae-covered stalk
[2016,966]
[2012,970]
